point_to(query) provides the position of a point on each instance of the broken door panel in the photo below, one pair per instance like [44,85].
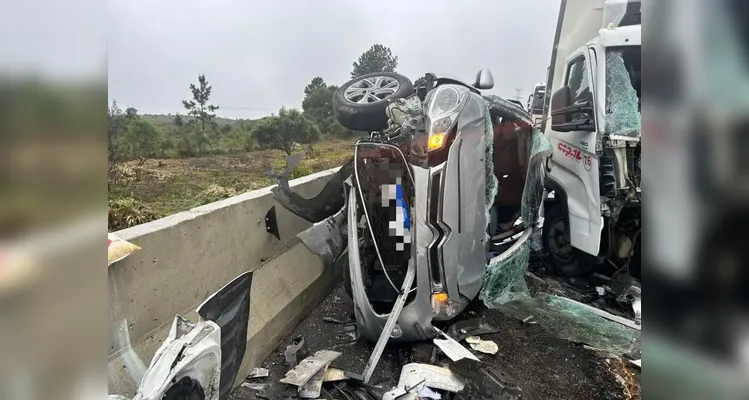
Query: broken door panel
[329,201]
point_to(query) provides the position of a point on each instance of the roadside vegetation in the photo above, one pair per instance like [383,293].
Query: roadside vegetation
[163,164]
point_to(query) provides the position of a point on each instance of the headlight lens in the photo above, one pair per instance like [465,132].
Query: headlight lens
[443,106]
[445,100]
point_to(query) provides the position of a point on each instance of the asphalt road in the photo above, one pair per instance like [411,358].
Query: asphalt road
[544,366]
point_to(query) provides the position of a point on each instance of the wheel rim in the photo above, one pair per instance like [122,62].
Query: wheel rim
[371,89]
[559,241]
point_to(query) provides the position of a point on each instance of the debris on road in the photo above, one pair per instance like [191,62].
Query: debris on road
[255,386]
[484,346]
[357,391]
[351,331]
[296,351]
[387,331]
[418,375]
[333,374]
[578,322]
[307,368]
[470,327]
[452,349]
[529,320]
[311,389]
[633,294]
[485,382]
[426,393]
[608,315]
[424,352]
[331,320]
[258,373]
[517,342]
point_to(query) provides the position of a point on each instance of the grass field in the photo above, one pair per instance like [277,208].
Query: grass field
[166,186]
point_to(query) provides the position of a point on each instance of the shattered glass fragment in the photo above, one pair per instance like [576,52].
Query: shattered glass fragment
[622,104]
[491,179]
[505,278]
[533,191]
[573,321]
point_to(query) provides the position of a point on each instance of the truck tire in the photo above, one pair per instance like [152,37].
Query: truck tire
[568,261]
[360,103]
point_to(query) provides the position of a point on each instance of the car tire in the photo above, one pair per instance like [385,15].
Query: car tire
[568,261]
[364,110]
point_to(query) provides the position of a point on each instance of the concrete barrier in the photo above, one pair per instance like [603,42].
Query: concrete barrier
[187,256]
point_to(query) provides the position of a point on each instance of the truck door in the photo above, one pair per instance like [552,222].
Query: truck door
[574,164]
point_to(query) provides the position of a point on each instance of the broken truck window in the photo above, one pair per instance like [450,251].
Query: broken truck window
[623,92]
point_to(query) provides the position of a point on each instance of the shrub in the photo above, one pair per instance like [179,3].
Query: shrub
[215,193]
[300,171]
[127,212]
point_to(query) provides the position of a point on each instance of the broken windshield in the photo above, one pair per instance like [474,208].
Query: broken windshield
[623,91]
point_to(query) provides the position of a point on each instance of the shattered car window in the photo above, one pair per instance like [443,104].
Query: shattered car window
[622,93]
[505,277]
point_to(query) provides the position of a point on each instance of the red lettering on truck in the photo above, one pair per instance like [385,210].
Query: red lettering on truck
[570,151]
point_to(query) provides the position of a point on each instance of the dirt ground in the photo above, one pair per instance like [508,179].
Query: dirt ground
[544,366]
[167,186]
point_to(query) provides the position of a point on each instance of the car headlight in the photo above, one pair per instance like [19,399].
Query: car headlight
[443,106]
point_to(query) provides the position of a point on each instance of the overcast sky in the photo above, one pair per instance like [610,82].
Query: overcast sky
[259,55]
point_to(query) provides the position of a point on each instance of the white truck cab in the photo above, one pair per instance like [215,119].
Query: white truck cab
[591,116]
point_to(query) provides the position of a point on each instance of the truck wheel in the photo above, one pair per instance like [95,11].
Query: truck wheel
[360,103]
[567,260]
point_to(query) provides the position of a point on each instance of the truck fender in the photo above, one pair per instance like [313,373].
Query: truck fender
[560,195]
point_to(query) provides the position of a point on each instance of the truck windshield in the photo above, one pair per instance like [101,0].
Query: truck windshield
[623,91]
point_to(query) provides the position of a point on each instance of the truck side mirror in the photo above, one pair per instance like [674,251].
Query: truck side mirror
[566,116]
[560,100]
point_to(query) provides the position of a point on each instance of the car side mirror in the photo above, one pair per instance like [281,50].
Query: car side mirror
[567,116]
[484,79]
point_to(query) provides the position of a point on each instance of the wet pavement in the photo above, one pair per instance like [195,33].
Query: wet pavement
[544,366]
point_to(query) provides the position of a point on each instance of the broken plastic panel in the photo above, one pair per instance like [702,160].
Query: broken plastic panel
[326,238]
[568,319]
[623,110]
[505,279]
[325,204]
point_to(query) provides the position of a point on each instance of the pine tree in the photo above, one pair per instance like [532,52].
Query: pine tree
[198,107]
[377,59]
